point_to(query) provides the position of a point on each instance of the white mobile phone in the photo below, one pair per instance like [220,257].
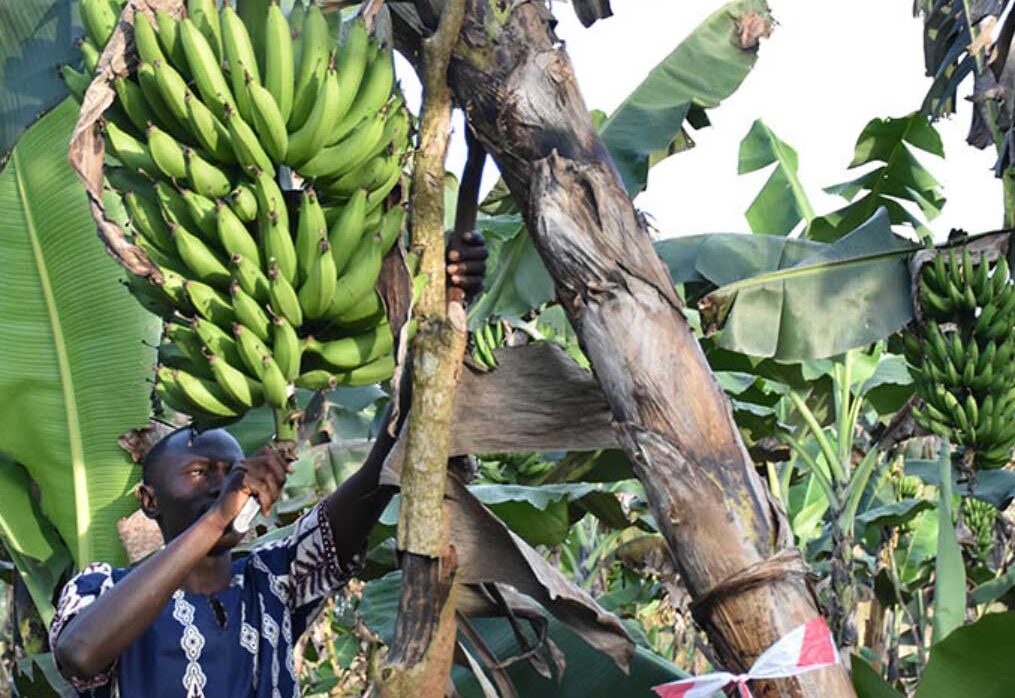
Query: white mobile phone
[241,524]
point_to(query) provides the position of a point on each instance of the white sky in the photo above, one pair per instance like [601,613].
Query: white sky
[828,69]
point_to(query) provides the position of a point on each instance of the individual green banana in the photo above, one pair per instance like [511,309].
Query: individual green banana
[359,278]
[368,374]
[185,338]
[971,410]
[286,347]
[249,313]
[250,278]
[395,135]
[132,99]
[99,18]
[150,296]
[350,352]
[164,117]
[205,178]
[378,195]
[216,340]
[90,54]
[172,356]
[205,16]
[205,67]
[248,149]
[146,40]
[251,350]
[940,306]
[174,208]
[315,41]
[337,160]
[211,304]
[939,275]
[278,59]
[129,150]
[203,211]
[985,319]
[367,312]
[243,202]
[276,387]
[284,300]
[241,58]
[999,277]
[206,394]
[273,221]
[318,379]
[391,228]
[174,286]
[373,93]
[147,220]
[268,121]
[167,153]
[234,236]
[172,88]
[209,131]
[169,391]
[347,231]
[309,139]
[243,390]
[199,258]
[311,228]
[76,81]
[352,64]
[369,176]
[983,289]
[169,40]
[318,289]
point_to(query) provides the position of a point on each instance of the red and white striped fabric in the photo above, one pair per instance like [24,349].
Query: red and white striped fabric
[805,648]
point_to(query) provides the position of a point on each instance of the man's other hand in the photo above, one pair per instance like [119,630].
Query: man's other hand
[467,263]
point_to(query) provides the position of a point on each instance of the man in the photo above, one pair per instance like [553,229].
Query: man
[190,621]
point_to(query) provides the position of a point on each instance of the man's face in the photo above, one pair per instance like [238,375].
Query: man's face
[187,479]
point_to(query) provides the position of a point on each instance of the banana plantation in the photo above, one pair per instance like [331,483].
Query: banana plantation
[444,441]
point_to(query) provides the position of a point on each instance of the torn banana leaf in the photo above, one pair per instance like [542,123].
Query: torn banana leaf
[856,291]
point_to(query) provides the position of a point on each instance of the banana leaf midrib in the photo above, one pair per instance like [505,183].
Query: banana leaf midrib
[79,476]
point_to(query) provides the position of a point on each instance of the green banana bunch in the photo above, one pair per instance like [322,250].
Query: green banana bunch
[484,340]
[981,518]
[961,362]
[263,290]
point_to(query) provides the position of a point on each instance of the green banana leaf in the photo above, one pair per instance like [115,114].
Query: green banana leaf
[35,37]
[856,291]
[706,68]
[949,569]
[867,682]
[972,661]
[782,201]
[516,279]
[31,541]
[74,366]
[540,515]
[899,177]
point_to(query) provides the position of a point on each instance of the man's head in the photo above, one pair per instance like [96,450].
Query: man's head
[182,476]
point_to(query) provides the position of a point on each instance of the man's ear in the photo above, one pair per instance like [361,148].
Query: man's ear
[147,499]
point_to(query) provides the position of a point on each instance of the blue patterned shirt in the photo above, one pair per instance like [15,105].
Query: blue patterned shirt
[236,643]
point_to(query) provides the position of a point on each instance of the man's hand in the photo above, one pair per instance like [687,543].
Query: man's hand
[467,263]
[261,475]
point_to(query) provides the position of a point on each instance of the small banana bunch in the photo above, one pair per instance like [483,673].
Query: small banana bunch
[981,518]
[962,365]
[484,340]
[263,290]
